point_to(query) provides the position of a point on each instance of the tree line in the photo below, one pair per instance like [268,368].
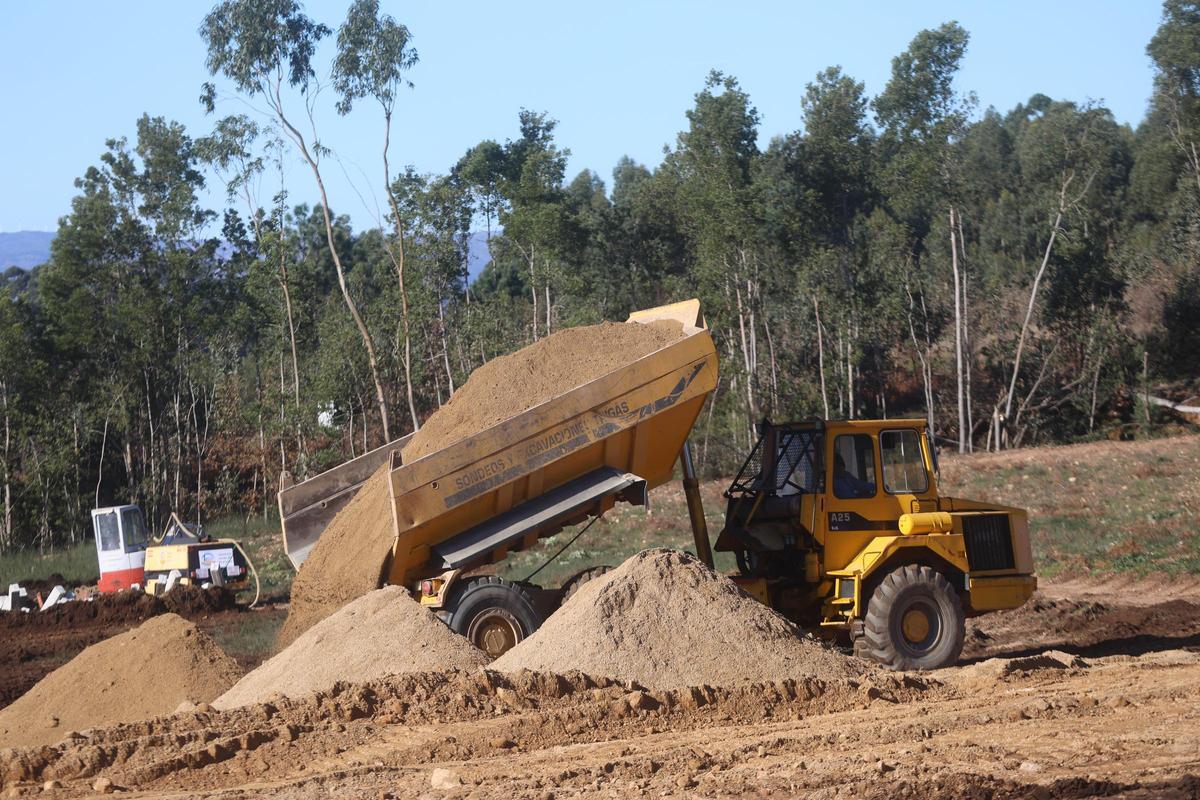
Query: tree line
[1015,278]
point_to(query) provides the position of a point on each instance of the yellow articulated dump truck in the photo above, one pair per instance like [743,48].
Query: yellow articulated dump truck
[838,525]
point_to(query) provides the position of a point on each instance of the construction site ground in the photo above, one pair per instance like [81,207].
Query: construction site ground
[34,646]
[1087,696]
[1089,690]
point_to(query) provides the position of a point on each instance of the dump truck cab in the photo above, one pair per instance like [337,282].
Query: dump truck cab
[840,526]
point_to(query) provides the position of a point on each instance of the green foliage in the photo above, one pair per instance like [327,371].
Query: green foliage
[191,358]
[373,55]
[259,43]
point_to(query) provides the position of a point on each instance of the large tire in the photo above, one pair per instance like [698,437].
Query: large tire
[493,614]
[574,583]
[914,621]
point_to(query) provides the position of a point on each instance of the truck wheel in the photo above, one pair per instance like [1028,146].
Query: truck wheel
[914,621]
[493,614]
[574,583]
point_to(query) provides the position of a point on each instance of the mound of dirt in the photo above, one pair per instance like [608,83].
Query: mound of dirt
[348,560]
[509,385]
[384,632]
[665,620]
[139,674]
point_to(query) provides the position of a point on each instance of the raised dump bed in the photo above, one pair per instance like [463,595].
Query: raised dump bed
[571,457]
[476,500]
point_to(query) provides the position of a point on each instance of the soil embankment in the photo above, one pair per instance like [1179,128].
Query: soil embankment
[142,673]
[34,644]
[347,562]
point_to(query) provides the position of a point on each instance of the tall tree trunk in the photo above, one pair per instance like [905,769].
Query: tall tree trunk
[445,346]
[747,357]
[923,357]
[533,291]
[368,343]
[1033,292]
[1095,388]
[968,357]
[99,464]
[821,356]
[958,353]
[774,370]
[397,258]
[6,535]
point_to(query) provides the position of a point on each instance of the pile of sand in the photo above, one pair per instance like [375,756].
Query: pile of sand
[348,560]
[665,620]
[383,633]
[509,385]
[139,674]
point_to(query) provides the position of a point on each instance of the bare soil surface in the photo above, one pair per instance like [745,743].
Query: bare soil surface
[1060,699]
[138,674]
[512,384]
[34,644]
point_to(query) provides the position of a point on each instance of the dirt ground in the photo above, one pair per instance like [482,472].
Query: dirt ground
[1112,710]
[34,645]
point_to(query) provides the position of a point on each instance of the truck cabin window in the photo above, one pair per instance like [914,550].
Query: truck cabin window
[135,529]
[107,532]
[853,467]
[903,463]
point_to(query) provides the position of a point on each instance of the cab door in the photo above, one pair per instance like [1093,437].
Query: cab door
[875,476]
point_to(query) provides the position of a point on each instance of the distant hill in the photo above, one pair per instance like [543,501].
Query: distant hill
[24,249]
[477,255]
[28,249]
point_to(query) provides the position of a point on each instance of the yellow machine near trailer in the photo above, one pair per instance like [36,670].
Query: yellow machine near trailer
[129,558]
[185,555]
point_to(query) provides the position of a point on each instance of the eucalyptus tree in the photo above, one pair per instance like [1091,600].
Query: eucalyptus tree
[261,45]
[1073,163]
[837,185]
[647,248]
[482,171]
[372,60]
[1175,50]
[533,215]
[922,119]
[131,300]
[714,162]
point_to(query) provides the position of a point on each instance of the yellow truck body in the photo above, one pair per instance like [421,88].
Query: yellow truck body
[633,421]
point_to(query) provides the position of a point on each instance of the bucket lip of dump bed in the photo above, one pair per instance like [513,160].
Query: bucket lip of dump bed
[395,444]
[690,332]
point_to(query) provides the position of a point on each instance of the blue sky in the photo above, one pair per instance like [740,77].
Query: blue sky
[617,75]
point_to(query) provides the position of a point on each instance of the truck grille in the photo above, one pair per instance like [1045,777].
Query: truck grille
[989,542]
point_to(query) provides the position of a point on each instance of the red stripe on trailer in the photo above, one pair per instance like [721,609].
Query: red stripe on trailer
[120,579]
